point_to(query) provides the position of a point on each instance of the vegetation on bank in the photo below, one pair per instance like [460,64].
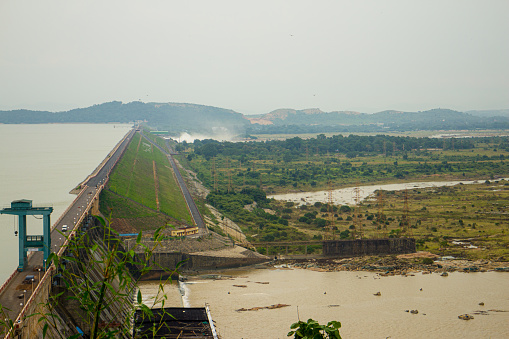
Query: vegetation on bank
[307,165]
[463,221]
[233,171]
[143,185]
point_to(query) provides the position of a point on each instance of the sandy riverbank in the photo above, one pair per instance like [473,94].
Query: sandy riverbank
[405,264]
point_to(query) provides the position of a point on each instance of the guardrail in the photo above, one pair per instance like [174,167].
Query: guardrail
[8,281]
[105,160]
[34,293]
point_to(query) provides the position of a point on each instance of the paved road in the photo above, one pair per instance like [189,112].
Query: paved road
[187,196]
[189,200]
[9,297]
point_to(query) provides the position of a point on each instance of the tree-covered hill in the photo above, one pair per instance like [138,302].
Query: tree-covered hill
[306,121]
[222,123]
[175,117]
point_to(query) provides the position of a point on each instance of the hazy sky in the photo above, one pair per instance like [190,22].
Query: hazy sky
[256,56]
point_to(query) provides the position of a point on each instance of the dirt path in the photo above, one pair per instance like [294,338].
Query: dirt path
[132,170]
[156,184]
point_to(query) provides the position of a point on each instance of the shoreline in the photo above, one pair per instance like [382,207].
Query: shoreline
[390,265]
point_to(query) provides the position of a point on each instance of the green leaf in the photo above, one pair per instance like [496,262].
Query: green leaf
[146,310]
[138,239]
[335,324]
[101,220]
[44,330]
[139,297]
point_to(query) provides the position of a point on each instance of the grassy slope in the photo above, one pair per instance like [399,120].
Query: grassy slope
[133,178]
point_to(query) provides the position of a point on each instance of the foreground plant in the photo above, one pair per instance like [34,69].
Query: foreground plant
[311,329]
[95,292]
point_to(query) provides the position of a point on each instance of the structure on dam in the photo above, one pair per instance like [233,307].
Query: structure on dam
[22,208]
[358,247]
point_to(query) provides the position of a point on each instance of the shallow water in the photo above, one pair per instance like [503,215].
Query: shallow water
[347,196]
[349,297]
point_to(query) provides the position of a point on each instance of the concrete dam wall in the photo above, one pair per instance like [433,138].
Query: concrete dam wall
[162,263]
[351,248]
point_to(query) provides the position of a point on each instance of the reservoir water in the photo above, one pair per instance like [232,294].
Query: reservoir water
[43,163]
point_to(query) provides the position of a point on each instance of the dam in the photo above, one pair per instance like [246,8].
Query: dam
[20,301]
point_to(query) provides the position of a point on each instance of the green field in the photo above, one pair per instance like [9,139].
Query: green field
[133,178]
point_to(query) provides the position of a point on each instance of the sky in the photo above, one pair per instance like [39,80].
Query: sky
[256,56]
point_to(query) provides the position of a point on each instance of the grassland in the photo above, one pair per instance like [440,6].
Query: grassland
[295,165]
[315,172]
[133,180]
[155,139]
[468,221]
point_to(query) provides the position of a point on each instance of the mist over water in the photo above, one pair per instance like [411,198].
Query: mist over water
[221,134]
[42,163]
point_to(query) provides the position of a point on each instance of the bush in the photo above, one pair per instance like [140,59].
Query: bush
[427,261]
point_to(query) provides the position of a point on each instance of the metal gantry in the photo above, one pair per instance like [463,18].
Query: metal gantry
[22,208]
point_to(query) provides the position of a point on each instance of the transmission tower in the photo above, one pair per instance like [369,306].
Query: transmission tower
[357,223]
[214,173]
[381,217]
[330,202]
[228,174]
[405,222]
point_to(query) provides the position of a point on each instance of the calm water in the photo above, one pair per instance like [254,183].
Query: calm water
[348,297]
[347,195]
[43,163]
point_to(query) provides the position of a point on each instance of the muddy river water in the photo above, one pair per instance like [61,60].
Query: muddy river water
[346,196]
[349,297]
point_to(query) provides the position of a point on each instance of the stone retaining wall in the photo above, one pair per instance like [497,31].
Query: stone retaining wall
[163,263]
[352,248]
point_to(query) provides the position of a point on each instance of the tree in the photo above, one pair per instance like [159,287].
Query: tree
[313,330]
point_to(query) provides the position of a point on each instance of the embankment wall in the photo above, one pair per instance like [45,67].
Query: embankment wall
[352,248]
[162,263]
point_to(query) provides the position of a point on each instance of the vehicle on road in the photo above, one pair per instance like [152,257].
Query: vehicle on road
[29,279]
[64,228]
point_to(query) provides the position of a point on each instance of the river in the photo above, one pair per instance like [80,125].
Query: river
[43,163]
[347,196]
[349,297]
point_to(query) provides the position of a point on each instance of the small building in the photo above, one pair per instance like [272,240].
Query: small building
[183,231]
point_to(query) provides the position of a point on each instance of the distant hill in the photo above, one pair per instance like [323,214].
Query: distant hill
[315,121]
[490,113]
[175,117]
[222,123]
